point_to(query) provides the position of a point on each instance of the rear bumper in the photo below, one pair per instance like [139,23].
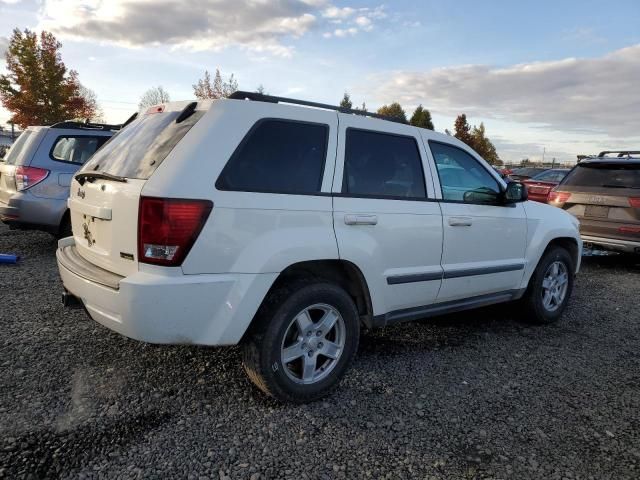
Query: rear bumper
[28,211]
[625,246]
[168,308]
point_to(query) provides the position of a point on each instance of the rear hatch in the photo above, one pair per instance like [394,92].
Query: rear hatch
[105,193]
[605,197]
[19,154]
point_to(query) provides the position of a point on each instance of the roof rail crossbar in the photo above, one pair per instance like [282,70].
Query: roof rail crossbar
[621,153]
[75,125]
[259,97]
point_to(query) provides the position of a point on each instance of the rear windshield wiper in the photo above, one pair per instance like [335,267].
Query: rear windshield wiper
[83,177]
[617,186]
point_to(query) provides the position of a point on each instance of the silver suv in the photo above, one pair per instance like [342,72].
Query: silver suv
[36,173]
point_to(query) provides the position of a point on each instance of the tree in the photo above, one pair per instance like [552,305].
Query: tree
[261,90]
[462,129]
[481,144]
[154,96]
[393,111]
[38,89]
[346,101]
[421,118]
[92,110]
[204,89]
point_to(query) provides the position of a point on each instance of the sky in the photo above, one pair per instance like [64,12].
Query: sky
[558,78]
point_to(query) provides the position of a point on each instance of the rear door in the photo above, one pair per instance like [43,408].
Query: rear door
[484,241]
[104,212]
[605,197]
[385,218]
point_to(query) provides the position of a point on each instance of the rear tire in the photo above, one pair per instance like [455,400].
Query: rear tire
[550,287]
[64,230]
[304,339]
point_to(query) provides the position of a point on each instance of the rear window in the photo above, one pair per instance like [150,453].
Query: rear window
[139,148]
[278,156]
[76,149]
[604,175]
[19,146]
[550,176]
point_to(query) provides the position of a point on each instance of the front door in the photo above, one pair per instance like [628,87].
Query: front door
[484,240]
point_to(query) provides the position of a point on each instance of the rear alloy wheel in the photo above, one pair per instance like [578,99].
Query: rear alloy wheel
[305,338]
[550,286]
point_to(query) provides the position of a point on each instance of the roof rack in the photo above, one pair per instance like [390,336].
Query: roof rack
[621,153]
[75,125]
[259,97]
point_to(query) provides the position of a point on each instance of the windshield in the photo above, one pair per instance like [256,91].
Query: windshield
[604,175]
[13,157]
[139,148]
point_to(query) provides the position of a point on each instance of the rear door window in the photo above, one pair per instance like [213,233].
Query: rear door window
[76,149]
[140,147]
[604,175]
[18,147]
[278,156]
[382,165]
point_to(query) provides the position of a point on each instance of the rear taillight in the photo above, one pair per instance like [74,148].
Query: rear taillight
[27,177]
[634,202]
[558,197]
[629,229]
[168,228]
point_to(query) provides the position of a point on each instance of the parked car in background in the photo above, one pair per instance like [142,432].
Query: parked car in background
[36,173]
[525,173]
[261,221]
[604,194]
[540,185]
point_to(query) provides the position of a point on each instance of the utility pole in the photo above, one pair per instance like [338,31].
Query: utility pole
[553,162]
[544,150]
[13,131]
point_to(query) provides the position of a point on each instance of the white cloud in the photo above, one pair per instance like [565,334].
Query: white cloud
[340,32]
[260,26]
[4,44]
[364,23]
[597,95]
[338,13]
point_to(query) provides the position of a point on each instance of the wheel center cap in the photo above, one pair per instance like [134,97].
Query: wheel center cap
[313,343]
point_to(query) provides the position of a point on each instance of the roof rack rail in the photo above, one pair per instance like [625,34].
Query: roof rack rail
[621,153]
[259,97]
[75,125]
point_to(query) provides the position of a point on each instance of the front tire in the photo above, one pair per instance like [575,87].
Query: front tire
[550,287]
[305,338]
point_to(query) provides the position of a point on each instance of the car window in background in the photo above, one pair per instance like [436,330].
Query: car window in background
[551,176]
[611,175]
[462,177]
[76,149]
[382,165]
[278,156]
[13,157]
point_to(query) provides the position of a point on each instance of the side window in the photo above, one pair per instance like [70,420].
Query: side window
[278,156]
[76,149]
[462,177]
[382,165]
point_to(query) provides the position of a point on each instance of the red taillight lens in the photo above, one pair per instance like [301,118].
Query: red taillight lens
[558,197]
[168,228]
[27,177]
[634,202]
[629,229]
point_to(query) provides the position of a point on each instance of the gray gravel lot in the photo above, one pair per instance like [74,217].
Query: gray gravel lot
[475,395]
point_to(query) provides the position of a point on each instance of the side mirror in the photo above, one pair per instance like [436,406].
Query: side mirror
[515,192]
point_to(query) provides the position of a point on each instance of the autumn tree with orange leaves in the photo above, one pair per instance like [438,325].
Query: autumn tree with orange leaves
[38,89]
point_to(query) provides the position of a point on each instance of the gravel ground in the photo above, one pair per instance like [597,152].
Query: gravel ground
[474,395]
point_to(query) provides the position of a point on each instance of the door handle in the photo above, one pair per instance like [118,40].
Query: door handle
[360,219]
[460,221]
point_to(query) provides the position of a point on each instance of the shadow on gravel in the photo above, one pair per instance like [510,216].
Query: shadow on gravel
[630,263]
[49,453]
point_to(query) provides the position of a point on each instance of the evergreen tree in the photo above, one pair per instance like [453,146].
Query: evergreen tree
[220,88]
[393,111]
[421,118]
[346,101]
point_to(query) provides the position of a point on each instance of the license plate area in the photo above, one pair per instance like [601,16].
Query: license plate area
[88,230]
[596,211]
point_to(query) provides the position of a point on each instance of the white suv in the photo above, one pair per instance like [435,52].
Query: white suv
[287,228]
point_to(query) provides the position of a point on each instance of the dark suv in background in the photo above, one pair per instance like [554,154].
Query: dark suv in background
[603,192]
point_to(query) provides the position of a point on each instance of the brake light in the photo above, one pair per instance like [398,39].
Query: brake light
[629,229]
[168,228]
[558,197]
[27,177]
[634,202]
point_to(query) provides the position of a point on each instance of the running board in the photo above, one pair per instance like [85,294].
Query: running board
[435,309]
